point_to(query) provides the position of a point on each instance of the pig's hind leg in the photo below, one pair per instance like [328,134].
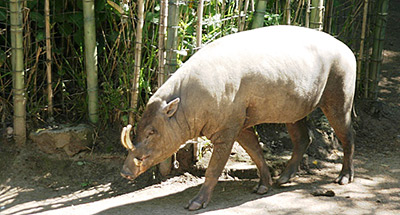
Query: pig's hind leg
[249,141]
[301,139]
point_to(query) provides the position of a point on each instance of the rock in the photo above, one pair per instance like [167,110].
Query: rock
[323,192]
[71,140]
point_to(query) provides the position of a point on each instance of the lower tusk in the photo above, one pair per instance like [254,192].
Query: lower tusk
[137,162]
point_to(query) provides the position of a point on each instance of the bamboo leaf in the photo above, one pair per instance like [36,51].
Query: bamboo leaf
[38,18]
[77,19]
[3,16]
[116,7]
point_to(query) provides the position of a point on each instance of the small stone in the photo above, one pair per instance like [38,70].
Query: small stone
[323,192]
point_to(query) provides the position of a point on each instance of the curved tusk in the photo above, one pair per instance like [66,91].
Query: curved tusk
[137,162]
[123,133]
[128,138]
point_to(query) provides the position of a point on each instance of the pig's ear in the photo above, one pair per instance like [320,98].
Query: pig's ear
[170,108]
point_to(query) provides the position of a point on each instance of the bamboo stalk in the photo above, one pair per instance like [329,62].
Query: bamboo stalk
[171,60]
[91,59]
[48,59]
[243,19]
[199,28]
[376,58]
[222,17]
[172,36]
[161,42]
[317,14]
[17,60]
[138,54]
[328,18]
[308,12]
[258,19]
[362,39]
[239,12]
[287,12]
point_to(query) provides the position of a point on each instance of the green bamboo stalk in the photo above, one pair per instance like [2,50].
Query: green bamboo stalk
[258,19]
[161,42]
[138,54]
[171,60]
[238,11]
[17,61]
[287,12]
[91,59]
[48,59]
[376,58]
[199,28]
[317,14]
[172,37]
[362,39]
[308,12]
[328,18]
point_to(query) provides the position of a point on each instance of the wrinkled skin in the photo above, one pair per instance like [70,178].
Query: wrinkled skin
[270,75]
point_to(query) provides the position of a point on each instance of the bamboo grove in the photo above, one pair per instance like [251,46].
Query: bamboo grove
[100,61]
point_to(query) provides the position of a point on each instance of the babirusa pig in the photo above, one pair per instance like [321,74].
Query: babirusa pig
[274,74]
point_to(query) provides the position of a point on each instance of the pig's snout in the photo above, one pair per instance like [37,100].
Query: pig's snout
[126,173]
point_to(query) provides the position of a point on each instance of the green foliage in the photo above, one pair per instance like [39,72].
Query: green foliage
[115,32]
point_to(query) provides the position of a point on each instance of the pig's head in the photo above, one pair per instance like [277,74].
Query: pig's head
[156,139]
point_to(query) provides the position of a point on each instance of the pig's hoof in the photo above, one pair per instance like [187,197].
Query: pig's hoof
[344,179]
[194,206]
[282,180]
[260,189]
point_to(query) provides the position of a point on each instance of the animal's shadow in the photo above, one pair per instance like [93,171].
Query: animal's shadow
[227,194]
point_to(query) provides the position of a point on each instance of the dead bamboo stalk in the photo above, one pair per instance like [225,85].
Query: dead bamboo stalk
[161,42]
[138,54]
[48,58]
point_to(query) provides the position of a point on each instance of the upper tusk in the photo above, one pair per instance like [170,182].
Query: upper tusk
[123,133]
[128,138]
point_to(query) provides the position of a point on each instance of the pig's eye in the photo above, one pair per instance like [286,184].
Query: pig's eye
[150,132]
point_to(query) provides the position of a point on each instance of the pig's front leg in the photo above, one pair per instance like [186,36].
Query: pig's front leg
[220,155]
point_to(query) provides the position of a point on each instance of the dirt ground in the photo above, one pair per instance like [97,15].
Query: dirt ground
[32,182]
